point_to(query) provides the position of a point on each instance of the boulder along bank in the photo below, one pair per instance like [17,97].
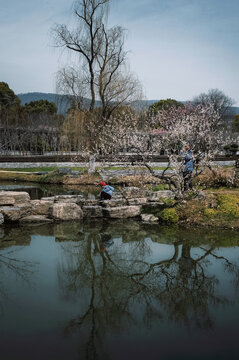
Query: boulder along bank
[213,209]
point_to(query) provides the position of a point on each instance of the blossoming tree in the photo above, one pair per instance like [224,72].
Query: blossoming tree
[170,129]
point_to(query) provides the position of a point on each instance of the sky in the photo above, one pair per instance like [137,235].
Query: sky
[177,48]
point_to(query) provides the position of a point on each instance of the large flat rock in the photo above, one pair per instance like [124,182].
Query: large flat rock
[13,197]
[68,198]
[15,213]
[41,207]
[137,201]
[122,212]
[35,219]
[134,192]
[114,202]
[65,211]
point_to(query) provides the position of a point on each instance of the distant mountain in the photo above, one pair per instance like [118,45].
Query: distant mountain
[63,102]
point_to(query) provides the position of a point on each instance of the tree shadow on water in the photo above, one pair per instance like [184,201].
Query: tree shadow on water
[120,286]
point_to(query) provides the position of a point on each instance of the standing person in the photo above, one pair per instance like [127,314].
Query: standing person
[188,168]
[107,191]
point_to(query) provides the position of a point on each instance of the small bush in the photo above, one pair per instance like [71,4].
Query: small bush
[210,212]
[220,178]
[160,187]
[228,205]
[168,216]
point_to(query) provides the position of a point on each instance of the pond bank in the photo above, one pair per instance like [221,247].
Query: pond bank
[210,209]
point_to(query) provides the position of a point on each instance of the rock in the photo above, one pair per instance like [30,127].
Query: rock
[159,195]
[11,213]
[134,192]
[35,219]
[66,211]
[113,202]
[49,198]
[68,198]
[15,213]
[40,207]
[92,211]
[137,201]
[149,218]
[93,202]
[1,219]
[13,197]
[25,209]
[121,212]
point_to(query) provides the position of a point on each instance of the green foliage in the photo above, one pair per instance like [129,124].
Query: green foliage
[41,106]
[34,169]
[168,216]
[226,209]
[7,96]
[168,202]
[160,187]
[164,104]
[228,204]
[209,212]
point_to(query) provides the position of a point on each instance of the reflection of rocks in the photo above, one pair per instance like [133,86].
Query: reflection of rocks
[14,237]
[65,231]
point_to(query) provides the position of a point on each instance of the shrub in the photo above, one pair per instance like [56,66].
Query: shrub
[228,205]
[168,216]
[210,212]
[220,178]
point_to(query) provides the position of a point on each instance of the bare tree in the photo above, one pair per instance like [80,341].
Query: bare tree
[85,38]
[102,72]
[116,84]
[216,98]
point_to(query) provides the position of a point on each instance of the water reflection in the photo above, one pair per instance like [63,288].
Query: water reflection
[38,190]
[132,285]
[100,283]
[11,243]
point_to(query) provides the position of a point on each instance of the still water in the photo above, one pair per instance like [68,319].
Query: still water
[118,290]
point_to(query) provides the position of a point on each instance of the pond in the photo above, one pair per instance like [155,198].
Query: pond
[37,190]
[118,290]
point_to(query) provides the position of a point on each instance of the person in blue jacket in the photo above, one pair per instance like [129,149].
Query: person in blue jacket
[107,191]
[188,168]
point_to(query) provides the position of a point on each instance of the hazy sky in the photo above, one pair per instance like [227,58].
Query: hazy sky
[178,48]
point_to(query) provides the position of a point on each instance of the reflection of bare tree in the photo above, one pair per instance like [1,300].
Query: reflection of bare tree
[10,263]
[119,286]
